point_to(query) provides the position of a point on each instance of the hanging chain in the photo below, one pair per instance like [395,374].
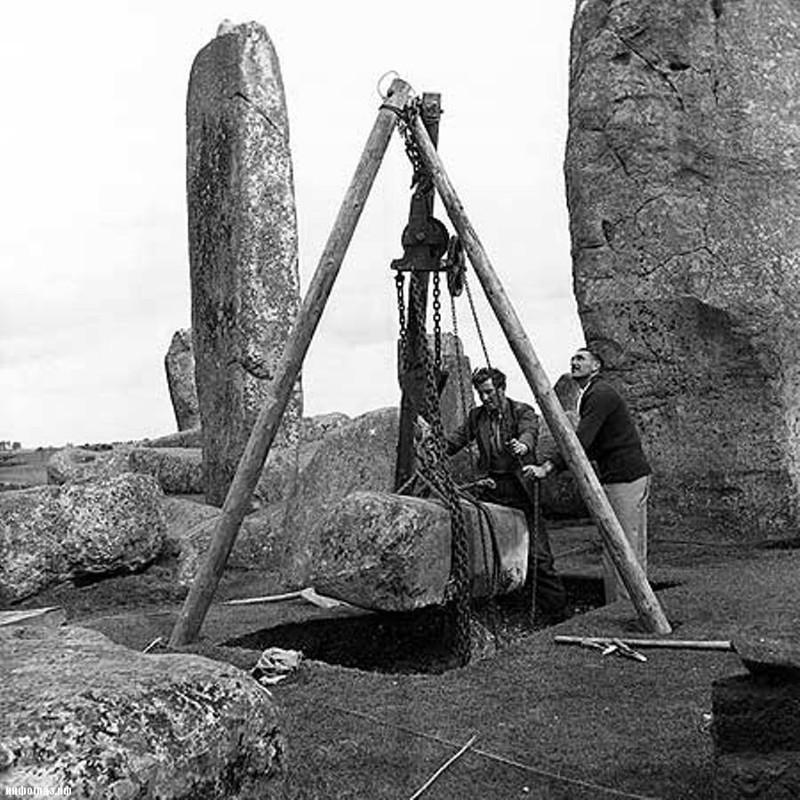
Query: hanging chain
[399,282]
[437,322]
[477,322]
[434,466]
[405,122]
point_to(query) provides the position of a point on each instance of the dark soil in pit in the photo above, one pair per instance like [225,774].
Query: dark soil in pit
[412,642]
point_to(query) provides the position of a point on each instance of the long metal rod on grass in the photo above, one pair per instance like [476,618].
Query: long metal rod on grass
[665,644]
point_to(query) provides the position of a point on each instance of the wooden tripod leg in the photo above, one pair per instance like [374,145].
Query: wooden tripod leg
[252,461]
[644,600]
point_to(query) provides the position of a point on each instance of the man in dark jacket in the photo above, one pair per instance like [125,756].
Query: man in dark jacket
[506,432]
[609,436]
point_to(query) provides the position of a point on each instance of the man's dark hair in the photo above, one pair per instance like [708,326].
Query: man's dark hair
[483,374]
[593,352]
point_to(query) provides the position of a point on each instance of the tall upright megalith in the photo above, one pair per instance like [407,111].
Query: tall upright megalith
[683,183]
[242,241]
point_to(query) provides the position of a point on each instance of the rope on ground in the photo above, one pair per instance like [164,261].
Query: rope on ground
[596,787]
[428,783]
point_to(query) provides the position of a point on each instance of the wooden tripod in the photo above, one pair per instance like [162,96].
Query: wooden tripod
[237,501]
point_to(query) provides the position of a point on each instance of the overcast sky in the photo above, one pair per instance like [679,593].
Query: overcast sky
[95,276]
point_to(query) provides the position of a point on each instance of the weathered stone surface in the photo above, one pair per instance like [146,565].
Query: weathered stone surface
[359,455]
[188,438]
[755,714]
[178,470]
[190,526]
[776,658]
[567,391]
[84,713]
[78,465]
[242,241]
[314,428]
[278,480]
[179,366]
[392,553]
[682,172]
[52,534]
[456,401]
[753,776]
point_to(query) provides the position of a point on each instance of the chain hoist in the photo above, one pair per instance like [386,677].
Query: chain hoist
[425,242]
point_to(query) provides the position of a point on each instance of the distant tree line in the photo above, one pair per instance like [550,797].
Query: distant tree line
[9,445]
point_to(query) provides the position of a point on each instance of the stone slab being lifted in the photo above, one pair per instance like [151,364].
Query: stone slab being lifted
[390,552]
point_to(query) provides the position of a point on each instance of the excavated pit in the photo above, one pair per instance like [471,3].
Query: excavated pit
[412,642]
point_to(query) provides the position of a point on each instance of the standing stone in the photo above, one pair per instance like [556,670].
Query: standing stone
[179,366]
[242,241]
[683,181]
[456,401]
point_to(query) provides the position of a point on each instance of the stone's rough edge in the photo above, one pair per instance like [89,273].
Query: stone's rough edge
[236,110]
[685,69]
[56,741]
[55,533]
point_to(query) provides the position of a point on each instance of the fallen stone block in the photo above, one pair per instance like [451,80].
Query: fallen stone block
[776,658]
[54,533]
[357,456]
[178,470]
[392,553]
[188,438]
[83,713]
[78,465]
[190,527]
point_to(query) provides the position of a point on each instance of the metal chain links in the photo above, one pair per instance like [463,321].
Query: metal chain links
[477,322]
[435,467]
[432,465]
[437,322]
[405,120]
[399,282]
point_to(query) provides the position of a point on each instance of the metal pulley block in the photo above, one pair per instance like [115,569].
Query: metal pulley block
[424,239]
[455,265]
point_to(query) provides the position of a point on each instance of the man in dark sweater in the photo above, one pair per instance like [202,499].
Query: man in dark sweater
[609,436]
[506,432]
